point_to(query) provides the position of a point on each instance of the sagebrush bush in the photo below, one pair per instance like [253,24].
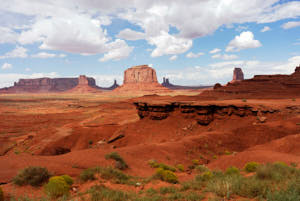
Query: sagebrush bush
[166,175]
[167,167]
[251,166]
[1,195]
[100,193]
[202,168]
[120,163]
[180,167]
[205,176]
[34,176]
[232,171]
[153,163]
[88,174]
[276,171]
[57,187]
[68,179]
[166,190]
[115,174]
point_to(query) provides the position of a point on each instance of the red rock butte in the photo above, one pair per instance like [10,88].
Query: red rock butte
[141,78]
[83,86]
[238,75]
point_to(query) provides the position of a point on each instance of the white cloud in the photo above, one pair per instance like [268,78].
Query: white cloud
[290,25]
[244,41]
[129,34]
[169,44]
[7,35]
[18,52]
[27,69]
[194,55]
[118,50]
[173,58]
[266,28]
[45,55]
[6,66]
[106,80]
[216,50]
[225,56]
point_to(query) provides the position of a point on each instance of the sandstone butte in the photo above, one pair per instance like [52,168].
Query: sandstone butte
[141,79]
[84,86]
[238,75]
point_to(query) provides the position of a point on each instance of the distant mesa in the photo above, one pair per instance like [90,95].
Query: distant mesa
[52,85]
[260,86]
[84,86]
[166,83]
[238,75]
[141,78]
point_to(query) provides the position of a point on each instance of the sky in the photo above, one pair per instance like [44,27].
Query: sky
[192,42]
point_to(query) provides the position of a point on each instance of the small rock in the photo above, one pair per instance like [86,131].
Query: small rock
[262,119]
[101,142]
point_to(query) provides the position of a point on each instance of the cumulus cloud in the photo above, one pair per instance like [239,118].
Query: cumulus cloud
[214,51]
[129,34]
[18,52]
[6,66]
[173,58]
[290,25]
[244,41]
[225,56]
[7,35]
[266,28]
[194,55]
[169,44]
[45,55]
[117,50]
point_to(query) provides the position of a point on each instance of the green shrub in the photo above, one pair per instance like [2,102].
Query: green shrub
[151,192]
[120,163]
[195,162]
[88,174]
[223,186]
[167,167]
[34,176]
[1,195]
[115,174]
[232,171]
[57,187]
[205,176]
[100,193]
[180,167]
[166,175]
[202,168]
[68,179]
[252,187]
[251,166]
[153,163]
[276,171]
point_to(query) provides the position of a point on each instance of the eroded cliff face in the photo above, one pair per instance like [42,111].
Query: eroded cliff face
[203,113]
[238,75]
[84,86]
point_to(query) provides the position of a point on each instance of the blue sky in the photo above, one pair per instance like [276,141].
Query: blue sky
[192,42]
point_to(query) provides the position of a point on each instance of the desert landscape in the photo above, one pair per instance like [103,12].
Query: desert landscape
[142,100]
[199,137]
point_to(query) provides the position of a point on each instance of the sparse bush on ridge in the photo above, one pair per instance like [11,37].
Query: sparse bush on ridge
[166,175]
[201,168]
[155,164]
[57,187]
[68,179]
[251,166]
[34,176]
[120,163]
[232,171]
[115,174]
[88,174]
[180,167]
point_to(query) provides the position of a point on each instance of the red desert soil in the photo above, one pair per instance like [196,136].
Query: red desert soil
[67,134]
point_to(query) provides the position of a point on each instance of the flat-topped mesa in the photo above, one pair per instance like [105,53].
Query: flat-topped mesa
[166,83]
[140,74]
[238,75]
[141,79]
[260,86]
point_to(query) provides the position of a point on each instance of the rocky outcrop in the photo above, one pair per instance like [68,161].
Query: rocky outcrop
[166,83]
[141,79]
[238,75]
[203,113]
[84,87]
[260,86]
